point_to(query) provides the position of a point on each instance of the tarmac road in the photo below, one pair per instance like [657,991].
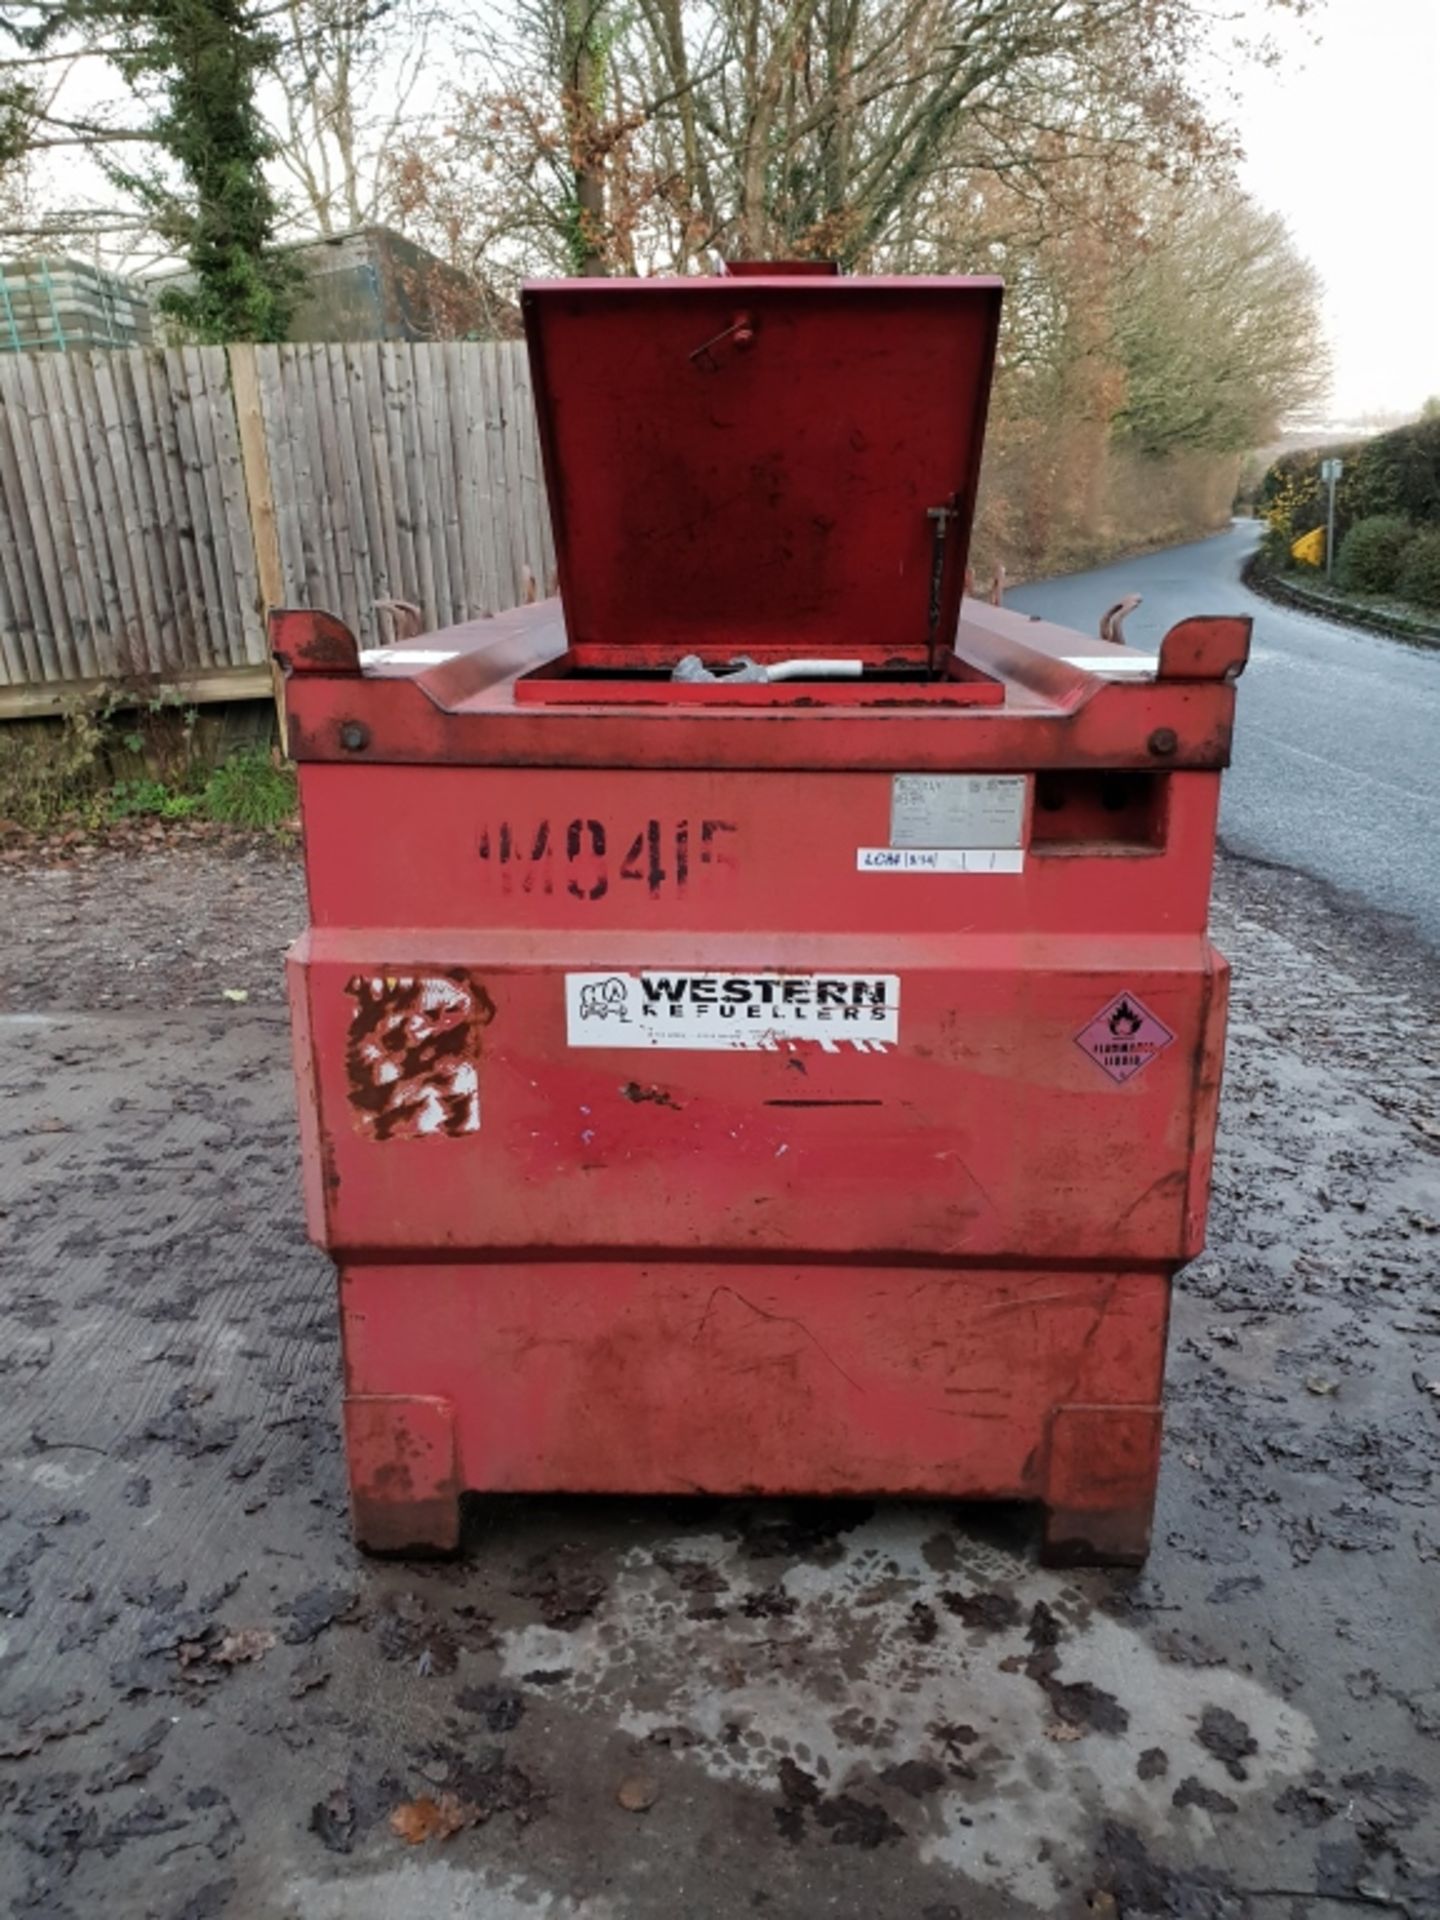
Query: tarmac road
[1337,745]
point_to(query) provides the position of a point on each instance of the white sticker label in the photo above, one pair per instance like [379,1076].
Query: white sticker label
[1115,666]
[720,1011]
[930,810]
[407,656]
[939,860]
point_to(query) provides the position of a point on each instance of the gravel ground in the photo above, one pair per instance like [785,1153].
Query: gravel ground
[211,1706]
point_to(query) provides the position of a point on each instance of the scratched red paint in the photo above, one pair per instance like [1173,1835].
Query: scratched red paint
[941,1266]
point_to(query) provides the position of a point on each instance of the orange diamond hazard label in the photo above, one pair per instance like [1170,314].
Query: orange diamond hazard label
[1124,1037]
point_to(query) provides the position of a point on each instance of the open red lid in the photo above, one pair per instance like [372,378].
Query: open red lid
[782,463]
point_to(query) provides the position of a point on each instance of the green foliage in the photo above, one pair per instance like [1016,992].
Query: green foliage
[1419,578]
[1371,552]
[1289,502]
[19,105]
[51,771]
[1399,472]
[1290,499]
[247,790]
[141,799]
[1275,547]
[92,769]
[203,58]
[250,790]
[1395,474]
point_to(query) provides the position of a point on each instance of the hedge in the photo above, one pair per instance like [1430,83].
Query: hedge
[1395,474]
[1371,554]
[1419,577]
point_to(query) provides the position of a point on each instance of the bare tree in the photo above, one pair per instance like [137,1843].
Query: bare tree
[1216,325]
[598,137]
[43,48]
[348,78]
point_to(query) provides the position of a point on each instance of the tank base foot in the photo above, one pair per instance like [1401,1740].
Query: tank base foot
[1117,1538]
[404,1483]
[1103,1466]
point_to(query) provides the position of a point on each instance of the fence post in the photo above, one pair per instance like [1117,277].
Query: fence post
[260,501]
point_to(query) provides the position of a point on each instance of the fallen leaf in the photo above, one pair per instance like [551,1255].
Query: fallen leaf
[1062,1733]
[31,1738]
[332,1820]
[638,1794]
[425,1819]
[246,1643]
[236,995]
[309,1674]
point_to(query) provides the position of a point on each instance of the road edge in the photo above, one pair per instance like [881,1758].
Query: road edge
[1269,585]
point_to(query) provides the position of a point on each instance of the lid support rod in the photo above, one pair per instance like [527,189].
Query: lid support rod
[939,518]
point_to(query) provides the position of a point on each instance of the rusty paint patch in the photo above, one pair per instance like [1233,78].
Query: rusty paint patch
[413,1054]
[306,641]
[655,1096]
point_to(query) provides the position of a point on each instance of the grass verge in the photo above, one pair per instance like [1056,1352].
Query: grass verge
[100,765]
[1394,618]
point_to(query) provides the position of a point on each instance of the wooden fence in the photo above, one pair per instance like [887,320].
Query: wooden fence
[154,503]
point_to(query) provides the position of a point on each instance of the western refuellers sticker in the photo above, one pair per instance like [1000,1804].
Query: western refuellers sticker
[723,1011]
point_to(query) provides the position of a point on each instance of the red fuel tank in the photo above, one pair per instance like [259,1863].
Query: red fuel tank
[763,1036]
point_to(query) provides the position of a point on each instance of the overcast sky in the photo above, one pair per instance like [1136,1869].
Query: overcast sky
[1344,140]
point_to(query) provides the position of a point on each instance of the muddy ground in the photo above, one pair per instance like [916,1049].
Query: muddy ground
[211,1706]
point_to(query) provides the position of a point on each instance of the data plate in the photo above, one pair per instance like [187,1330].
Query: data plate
[957,810]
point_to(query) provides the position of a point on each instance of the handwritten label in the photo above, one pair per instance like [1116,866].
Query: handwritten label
[935,810]
[939,860]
